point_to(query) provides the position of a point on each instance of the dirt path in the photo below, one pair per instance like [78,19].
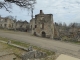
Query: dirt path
[61,47]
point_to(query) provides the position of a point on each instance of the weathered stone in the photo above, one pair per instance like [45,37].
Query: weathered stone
[7,23]
[22,25]
[42,25]
[33,55]
[30,48]
[9,42]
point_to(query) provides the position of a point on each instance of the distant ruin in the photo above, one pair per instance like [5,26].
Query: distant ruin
[8,23]
[42,25]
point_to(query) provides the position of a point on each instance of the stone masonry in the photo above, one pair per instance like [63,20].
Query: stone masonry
[6,23]
[43,25]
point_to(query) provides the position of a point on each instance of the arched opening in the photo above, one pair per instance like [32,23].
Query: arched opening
[43,34]
[35,33]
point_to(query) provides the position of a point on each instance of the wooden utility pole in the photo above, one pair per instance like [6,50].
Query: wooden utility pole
[31,11]
[32,7]
[15,23]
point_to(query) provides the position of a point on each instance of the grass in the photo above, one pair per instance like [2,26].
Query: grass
[76,42]
[71,40]
[8,48]
[18,52]
[27,45]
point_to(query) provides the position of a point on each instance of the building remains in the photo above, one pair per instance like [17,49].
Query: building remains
[22,26]
[42,25]
[7,23]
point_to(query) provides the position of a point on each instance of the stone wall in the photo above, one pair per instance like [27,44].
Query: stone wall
[6,23]
[44,25]
[32,25]
[22,25]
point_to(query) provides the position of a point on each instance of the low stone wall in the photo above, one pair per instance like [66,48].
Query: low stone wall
[33,55]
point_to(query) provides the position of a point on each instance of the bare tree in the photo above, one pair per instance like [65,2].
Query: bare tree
[23,3]
[5,5]
[29,4]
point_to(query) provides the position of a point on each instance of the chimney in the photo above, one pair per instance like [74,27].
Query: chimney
[41,12]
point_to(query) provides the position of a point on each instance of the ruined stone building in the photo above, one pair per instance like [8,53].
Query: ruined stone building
[56,30]
[22,25]
[42,25]
[32,25]
[6,23]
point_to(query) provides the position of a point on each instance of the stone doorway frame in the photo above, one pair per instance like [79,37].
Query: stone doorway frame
[43,34]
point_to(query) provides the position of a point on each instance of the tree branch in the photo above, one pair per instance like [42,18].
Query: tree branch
[29,4]
[3,5]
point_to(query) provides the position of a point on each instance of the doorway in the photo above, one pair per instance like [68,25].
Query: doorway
[43,34]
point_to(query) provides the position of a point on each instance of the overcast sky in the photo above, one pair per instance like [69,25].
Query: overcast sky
[63,10]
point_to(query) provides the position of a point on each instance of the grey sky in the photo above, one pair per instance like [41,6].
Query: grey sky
[63,10]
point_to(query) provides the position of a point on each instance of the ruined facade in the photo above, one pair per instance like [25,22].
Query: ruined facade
[32,25]
[6,23]
[43,25]
[22,25]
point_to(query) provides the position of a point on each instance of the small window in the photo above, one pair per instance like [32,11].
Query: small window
[42,26]
[35,26]
[5,25]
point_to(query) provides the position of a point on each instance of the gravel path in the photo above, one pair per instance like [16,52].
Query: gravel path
[57,46]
